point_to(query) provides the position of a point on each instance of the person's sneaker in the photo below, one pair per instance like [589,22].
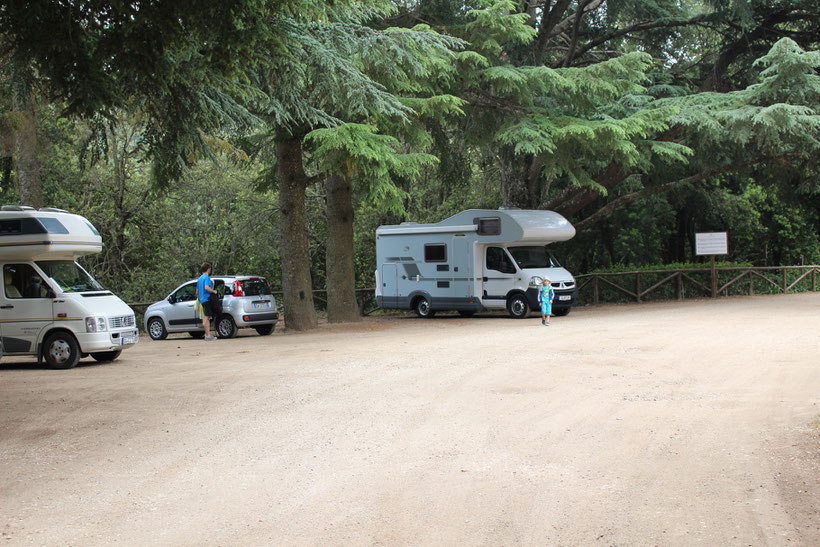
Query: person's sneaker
[210,337]
[547,324]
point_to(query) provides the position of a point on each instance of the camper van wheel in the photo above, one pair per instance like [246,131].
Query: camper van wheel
[517,306]
[466,313]
[560,312]
[106,356]
[156,329]
[61,351]
[225,327]
[422,308]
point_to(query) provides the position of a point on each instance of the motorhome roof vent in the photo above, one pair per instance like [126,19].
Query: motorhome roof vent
[52,210]
[16,208]
[408,224]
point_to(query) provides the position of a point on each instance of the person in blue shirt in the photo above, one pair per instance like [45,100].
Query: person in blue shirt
[545,297]
[204,289]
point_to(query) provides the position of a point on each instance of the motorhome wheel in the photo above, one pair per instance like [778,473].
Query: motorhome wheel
[106,356]
[225,327]
[559,312]
[156,329]
[61,351]
[517,306]
[422,308]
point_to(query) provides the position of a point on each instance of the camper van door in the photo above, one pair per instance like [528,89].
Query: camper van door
[25,308]
[461,267]
[499,274]
[390,285]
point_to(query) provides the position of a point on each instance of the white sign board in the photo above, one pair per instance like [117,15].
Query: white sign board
[712,243]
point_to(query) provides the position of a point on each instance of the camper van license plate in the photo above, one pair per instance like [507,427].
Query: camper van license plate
[128,340]
[565,297]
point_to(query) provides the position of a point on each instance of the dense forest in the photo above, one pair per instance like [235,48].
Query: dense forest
[273,136]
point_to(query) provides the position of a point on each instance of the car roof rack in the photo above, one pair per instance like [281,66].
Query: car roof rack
[52,210]
[16,208]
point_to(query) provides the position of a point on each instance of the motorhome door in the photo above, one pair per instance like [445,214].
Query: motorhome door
[499,275]
[25,308]
[390,285]
[462,267]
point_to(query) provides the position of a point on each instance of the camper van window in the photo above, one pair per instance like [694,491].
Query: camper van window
[535,256]
[435,252]
[489,226]
[69,276]
[498,260]
[23,281]
[53,226]
[15,226]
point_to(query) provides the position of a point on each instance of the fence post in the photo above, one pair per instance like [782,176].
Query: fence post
[785,282]
[814,280]
[714,276]
[637,287]
[595,289]
[751,284]
[680,286]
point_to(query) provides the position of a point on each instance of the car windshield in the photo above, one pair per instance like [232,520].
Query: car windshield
[255,287]
[536,256]
[69,276]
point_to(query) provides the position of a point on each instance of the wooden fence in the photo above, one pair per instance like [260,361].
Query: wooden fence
[685,281]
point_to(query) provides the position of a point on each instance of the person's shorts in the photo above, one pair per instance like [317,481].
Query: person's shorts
[207,309]
[546,307]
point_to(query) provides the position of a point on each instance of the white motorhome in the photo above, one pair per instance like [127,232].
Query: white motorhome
[50,306]
[476,260]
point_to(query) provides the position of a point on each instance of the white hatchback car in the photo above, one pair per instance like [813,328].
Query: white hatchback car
[247,302]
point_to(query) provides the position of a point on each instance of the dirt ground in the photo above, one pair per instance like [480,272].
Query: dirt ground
[678,423]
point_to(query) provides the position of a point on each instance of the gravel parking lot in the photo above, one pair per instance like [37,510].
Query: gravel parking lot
[663,423]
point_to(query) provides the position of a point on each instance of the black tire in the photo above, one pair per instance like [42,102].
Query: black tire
[422,307]
[517,306]
[198,334]
[106,356]
[61,351]
[265,330]
[225,326]
[468,313]
[156,329]
[560,312]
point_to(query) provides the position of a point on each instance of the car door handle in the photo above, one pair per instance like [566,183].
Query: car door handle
[6,307]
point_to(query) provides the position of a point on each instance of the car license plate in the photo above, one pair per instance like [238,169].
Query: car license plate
[258,305]
[128,340]
[566,297]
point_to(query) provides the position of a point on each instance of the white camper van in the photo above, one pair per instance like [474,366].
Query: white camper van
[476,260]
[50,306]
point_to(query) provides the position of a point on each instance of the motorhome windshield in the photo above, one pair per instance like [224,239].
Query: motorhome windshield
[536,256]
[69,276]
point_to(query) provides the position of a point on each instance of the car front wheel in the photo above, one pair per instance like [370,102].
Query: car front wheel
[517,306]
[61,351]
[156,329]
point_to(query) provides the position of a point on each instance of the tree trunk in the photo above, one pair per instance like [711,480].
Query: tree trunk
[296,281]
[342,305]
[28,167]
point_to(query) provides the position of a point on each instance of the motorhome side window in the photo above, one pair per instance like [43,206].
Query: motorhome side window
[435,252]
[498,260]
[22,281]
[489,226]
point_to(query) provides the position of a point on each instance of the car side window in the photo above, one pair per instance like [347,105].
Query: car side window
[498,260]
[186,293]
[22,281]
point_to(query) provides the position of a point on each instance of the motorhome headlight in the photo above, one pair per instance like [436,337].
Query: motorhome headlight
[536,281]
[95,324]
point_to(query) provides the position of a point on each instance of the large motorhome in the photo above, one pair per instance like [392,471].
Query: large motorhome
[476,260]
[50,307]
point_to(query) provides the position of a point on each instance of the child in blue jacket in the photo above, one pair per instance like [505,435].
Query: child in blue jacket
[545,297]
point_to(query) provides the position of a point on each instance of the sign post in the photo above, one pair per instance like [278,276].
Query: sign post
[712,243]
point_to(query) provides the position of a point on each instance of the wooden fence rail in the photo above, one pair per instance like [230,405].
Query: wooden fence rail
[683,276]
